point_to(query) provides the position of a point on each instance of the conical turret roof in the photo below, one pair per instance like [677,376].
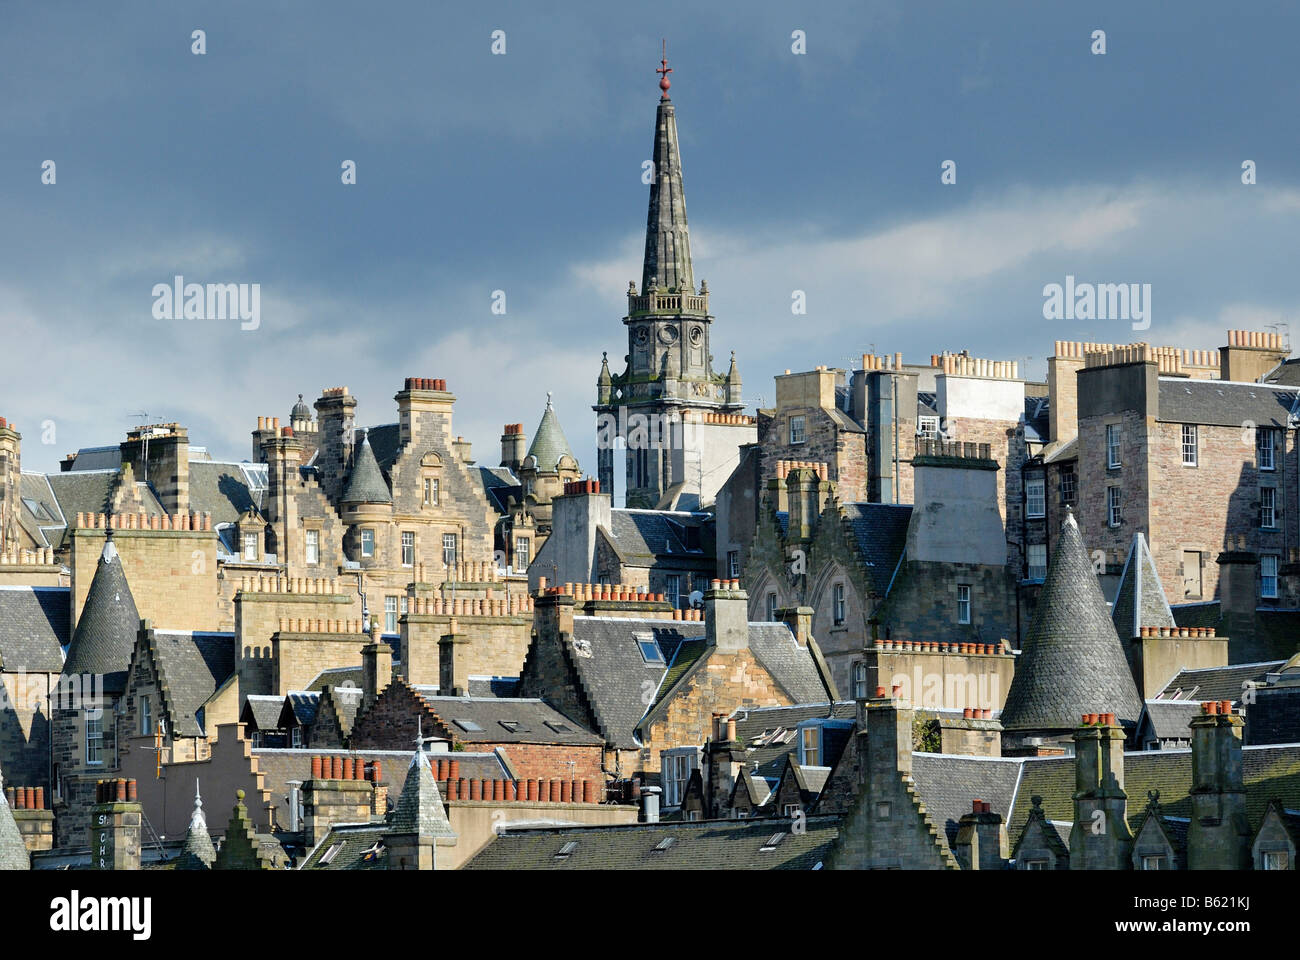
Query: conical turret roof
[13,852]
[1140,600]
[198,853]
[667,238]
[107,627]
[549,443]
[419,809]
[1072,661]
[366,482]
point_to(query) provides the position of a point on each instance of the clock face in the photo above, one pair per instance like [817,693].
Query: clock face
[668,334]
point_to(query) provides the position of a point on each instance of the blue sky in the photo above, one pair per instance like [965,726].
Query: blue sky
[817,172]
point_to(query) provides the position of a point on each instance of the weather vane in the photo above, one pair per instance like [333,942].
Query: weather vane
[663,71]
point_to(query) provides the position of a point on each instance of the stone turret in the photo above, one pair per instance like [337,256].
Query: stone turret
[418,824]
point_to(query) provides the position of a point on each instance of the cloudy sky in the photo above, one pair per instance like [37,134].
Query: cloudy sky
[522,173]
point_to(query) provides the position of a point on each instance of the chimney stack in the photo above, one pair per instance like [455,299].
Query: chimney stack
[1219,836]
[514,446]
[649,805]
[1100,838]
[453,662]
[726,616]
[376,667]
[115,826]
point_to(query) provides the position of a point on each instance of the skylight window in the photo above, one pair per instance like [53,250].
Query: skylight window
[566,850]
[330,854]
[773,842]
[558,727]
[650,651]
[664,844]
[514,726]
[469,726]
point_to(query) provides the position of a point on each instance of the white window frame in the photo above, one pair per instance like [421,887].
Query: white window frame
[771,607]
[1275,860]
[840,607]
[1114,507]
[733,564]
[1036,571]
[367,539]
[799,435]
[250,546]
[1268,508]
[860,680]
[390,614]
[677,767]
[523,552]
[673,588]
[450,550]
[1073,476]
[816,753]
[95,739]
[963,603]
[295,738]
[1036,497]
[1114,437]
[146,719]
[1268,563]
[1191,445]
[1266,448]
[928,426]
[311,547]
[408,548]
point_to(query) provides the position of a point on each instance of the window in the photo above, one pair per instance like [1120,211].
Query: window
[674,591]
[1154,862]
[146,720]
[771,607]
[1036,555]
[523,552]
[733,564]
[1265,448]
[963,603]
[430,491]
[797,430]
[449,550]
[330,854]
[774,841]
[663,845]
[367,543]
[1268,576]
[790,811]
[250,546]
[469,726]
[295,737]
[557,726]
[650,651]
[1191,573]
[860,680]
[1189,444]
[1267,508]
[1035,497]
[94,737]
[840,605]
[677,771]
[1035,864]
[1112,445]
[1069,486]
[408,548]
[312,552]
[1113,515]
[1275,860]
[810,747]
[566,850]
[390,614]
[928,427]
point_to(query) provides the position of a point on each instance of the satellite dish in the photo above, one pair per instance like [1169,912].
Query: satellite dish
[697,599]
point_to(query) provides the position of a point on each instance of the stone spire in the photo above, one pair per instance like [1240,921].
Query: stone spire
[198,853]
[604,382]
[1140,600]
[667,238]
[107,626]
[1073,662]
[13,851]
[419,809]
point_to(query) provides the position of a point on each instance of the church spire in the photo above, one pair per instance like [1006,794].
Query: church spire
[667,238]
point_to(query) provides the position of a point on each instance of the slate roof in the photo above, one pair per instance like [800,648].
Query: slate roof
[642,535]
[493,686]
[948,783]
[361,847]
[221,489]
[335,677]
[695,845]
[191,666]
[81,491]
[197,853]
[549,444]
[879,531]
[1140,599]
[1168,719]
[262,711]
[298,707]
[33,628]
[790,665]
[419,809]
[385,440]
[1205,614]
[765,723]
[528,717]
[106,630]
[1216,683]
[366,482]
[1072,661]
[1037,422]
[499,485]
[347,704]
[1222,403]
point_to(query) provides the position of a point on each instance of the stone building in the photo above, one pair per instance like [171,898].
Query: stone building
[678,424]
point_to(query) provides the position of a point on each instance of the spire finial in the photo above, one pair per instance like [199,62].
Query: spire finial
[663,71]
[548,399]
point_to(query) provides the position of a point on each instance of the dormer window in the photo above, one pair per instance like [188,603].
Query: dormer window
[250,546]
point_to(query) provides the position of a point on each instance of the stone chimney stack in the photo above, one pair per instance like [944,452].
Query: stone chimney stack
[1219,835]
[160,453]
[576,515]
[338,792]
[982,842]
[453,662]
[1100,838]
[726,616]
[1249,354]
[336,414]
[376,666]
[799,620]
[804,487]
[115,826]
[725,759]
[514,446]
[888,725]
